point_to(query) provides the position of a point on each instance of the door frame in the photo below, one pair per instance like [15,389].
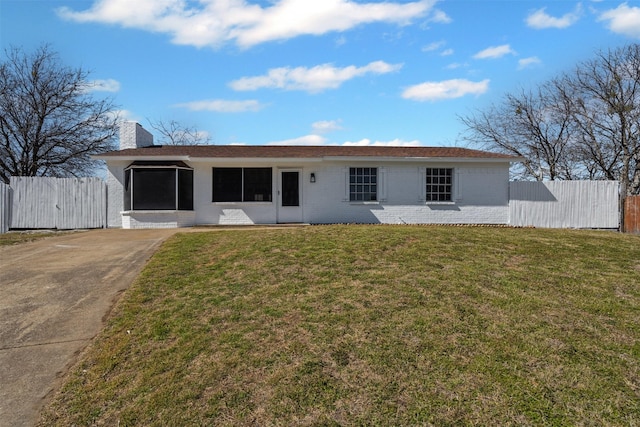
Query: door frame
[289,214]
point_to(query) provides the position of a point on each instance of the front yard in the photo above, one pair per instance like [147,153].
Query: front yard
[370,325]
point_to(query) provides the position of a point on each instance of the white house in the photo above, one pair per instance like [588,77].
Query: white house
[153,186]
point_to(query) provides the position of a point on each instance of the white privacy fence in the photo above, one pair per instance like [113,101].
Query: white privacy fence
[72,203]
[5,204]
[62,203]
[565,204]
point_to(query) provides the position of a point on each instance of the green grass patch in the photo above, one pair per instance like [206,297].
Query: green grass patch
[370,325]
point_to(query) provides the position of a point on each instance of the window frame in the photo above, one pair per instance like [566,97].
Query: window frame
[360,181]
[443,179]
[182,197]
[250,189]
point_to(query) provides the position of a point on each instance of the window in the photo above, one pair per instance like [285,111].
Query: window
[290,188]
[242,184]
[227,184]
[363,184]
[154,189]
[158,186]
[439,184]
[185,189]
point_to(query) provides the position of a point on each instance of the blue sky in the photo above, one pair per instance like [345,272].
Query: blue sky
[318,71]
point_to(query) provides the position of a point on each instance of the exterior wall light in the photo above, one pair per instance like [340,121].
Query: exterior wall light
[312,177]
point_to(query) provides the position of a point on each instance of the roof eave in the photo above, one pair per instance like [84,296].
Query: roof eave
[425,159]
[256,159]
[107,157]
[130,158]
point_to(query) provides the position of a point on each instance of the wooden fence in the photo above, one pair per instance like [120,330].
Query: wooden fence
[565,204]
[70,203]
[62,203]
[632,214]
[5,203]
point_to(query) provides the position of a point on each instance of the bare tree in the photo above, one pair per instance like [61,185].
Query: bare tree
[50,124]
[175,133]
[532,125]
[604,97]
[582,124]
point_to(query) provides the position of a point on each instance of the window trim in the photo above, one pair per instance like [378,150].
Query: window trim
[381,190]
[453,192]
[363,184]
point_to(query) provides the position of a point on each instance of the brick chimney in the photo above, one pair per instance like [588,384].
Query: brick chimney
[133,135]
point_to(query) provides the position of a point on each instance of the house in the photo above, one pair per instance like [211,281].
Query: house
[152,186]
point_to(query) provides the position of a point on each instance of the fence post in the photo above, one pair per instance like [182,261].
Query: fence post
[632,214]
[5,207]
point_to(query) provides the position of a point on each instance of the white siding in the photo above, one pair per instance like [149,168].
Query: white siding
[481,192]
[248,213]
[115,193]
[481,188]
[565,204]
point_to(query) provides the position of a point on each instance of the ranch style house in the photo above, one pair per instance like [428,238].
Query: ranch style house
[152,186]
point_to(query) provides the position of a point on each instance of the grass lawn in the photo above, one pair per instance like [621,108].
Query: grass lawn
[370,325]
[17,237]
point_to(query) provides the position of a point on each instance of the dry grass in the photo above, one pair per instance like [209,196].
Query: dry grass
[370,325]
[17,237]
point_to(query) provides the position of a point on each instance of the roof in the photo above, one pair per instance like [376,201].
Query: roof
[160,163]
[301,152]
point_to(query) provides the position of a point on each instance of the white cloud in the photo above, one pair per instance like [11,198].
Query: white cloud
[315,140]
[315,79]
[494,52]
[125,116]
[291,18]
[623,20]
[393,143]
[203,135]
[108,85]
[222,106]
[541,20]
[434,46]
[217,22]
[528,62]
[326,126]
[447,89]
[437,46]
[440,17]
[303,140]
[455,66]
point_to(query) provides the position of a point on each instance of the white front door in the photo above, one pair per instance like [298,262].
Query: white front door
[289,195]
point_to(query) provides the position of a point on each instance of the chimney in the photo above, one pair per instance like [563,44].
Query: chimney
[133,135]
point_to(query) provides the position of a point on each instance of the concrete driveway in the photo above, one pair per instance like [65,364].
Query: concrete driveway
[54,296]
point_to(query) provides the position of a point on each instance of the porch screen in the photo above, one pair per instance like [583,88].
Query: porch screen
[166,187]
[154,189]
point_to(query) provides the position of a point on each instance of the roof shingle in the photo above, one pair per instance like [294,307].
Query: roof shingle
[277,151]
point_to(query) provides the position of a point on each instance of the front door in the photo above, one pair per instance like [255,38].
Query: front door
[289,196]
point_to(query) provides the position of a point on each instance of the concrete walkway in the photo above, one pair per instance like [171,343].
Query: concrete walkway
[54,296]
